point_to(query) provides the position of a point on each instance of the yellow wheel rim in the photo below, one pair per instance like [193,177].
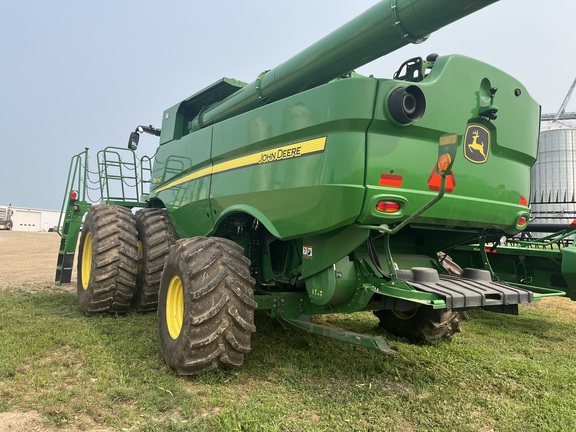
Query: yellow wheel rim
[175,307]
[405,315]
[86,260]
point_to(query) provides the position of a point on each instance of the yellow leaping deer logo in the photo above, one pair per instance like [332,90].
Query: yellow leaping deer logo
[476,143]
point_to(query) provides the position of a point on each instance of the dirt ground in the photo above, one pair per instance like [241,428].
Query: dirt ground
[28,260]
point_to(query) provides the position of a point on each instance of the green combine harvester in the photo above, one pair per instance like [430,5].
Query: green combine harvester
[313,190]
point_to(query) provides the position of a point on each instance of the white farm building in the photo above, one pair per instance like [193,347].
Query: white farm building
[30,219]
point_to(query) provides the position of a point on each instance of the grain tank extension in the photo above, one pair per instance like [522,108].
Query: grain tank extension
[314,190]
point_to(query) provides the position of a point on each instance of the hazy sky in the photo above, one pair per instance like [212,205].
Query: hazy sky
[80,73]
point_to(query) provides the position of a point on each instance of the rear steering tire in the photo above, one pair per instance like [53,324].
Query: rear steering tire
[421,324]
[107,260]
[205,305]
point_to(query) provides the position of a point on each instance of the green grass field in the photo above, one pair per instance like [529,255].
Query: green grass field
[503,373]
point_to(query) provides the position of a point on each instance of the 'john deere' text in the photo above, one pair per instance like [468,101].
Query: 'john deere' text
[280,154]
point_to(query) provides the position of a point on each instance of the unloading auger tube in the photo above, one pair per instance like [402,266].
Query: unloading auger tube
[382,29]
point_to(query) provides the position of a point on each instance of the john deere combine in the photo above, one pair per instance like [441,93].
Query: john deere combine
[313,190]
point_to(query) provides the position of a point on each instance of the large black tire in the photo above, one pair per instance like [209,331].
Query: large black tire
[156,237]
[421,324]
[205,306]
[107,260]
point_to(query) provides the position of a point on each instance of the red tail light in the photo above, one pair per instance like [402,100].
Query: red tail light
[523,200]
[522,221]
[388,207]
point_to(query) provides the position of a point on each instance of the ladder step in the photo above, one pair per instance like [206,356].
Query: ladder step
[64,268]
[65,260]
[65,263]
[63,276]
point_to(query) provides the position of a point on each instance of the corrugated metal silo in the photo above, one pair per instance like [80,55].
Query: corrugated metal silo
[553,176]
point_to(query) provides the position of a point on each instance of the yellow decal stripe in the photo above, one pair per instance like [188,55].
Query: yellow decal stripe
[272,155]
[193,176]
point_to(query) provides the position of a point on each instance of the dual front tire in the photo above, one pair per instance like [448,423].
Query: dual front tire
[121,258]
[156,236]
[107,261]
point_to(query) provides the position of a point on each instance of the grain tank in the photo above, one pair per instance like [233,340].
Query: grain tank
[315,190]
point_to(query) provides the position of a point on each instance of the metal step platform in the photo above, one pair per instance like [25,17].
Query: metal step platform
[474,288]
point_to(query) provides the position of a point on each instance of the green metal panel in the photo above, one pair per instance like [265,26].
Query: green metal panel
[327,184]
[185,166]
[486,194]
[322,250]
[281,163]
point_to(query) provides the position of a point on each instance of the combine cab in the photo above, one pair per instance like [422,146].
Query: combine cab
[314,190]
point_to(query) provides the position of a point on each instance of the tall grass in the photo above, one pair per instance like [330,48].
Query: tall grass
[503,373]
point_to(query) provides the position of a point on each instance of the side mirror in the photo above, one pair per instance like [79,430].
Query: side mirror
[133,141]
